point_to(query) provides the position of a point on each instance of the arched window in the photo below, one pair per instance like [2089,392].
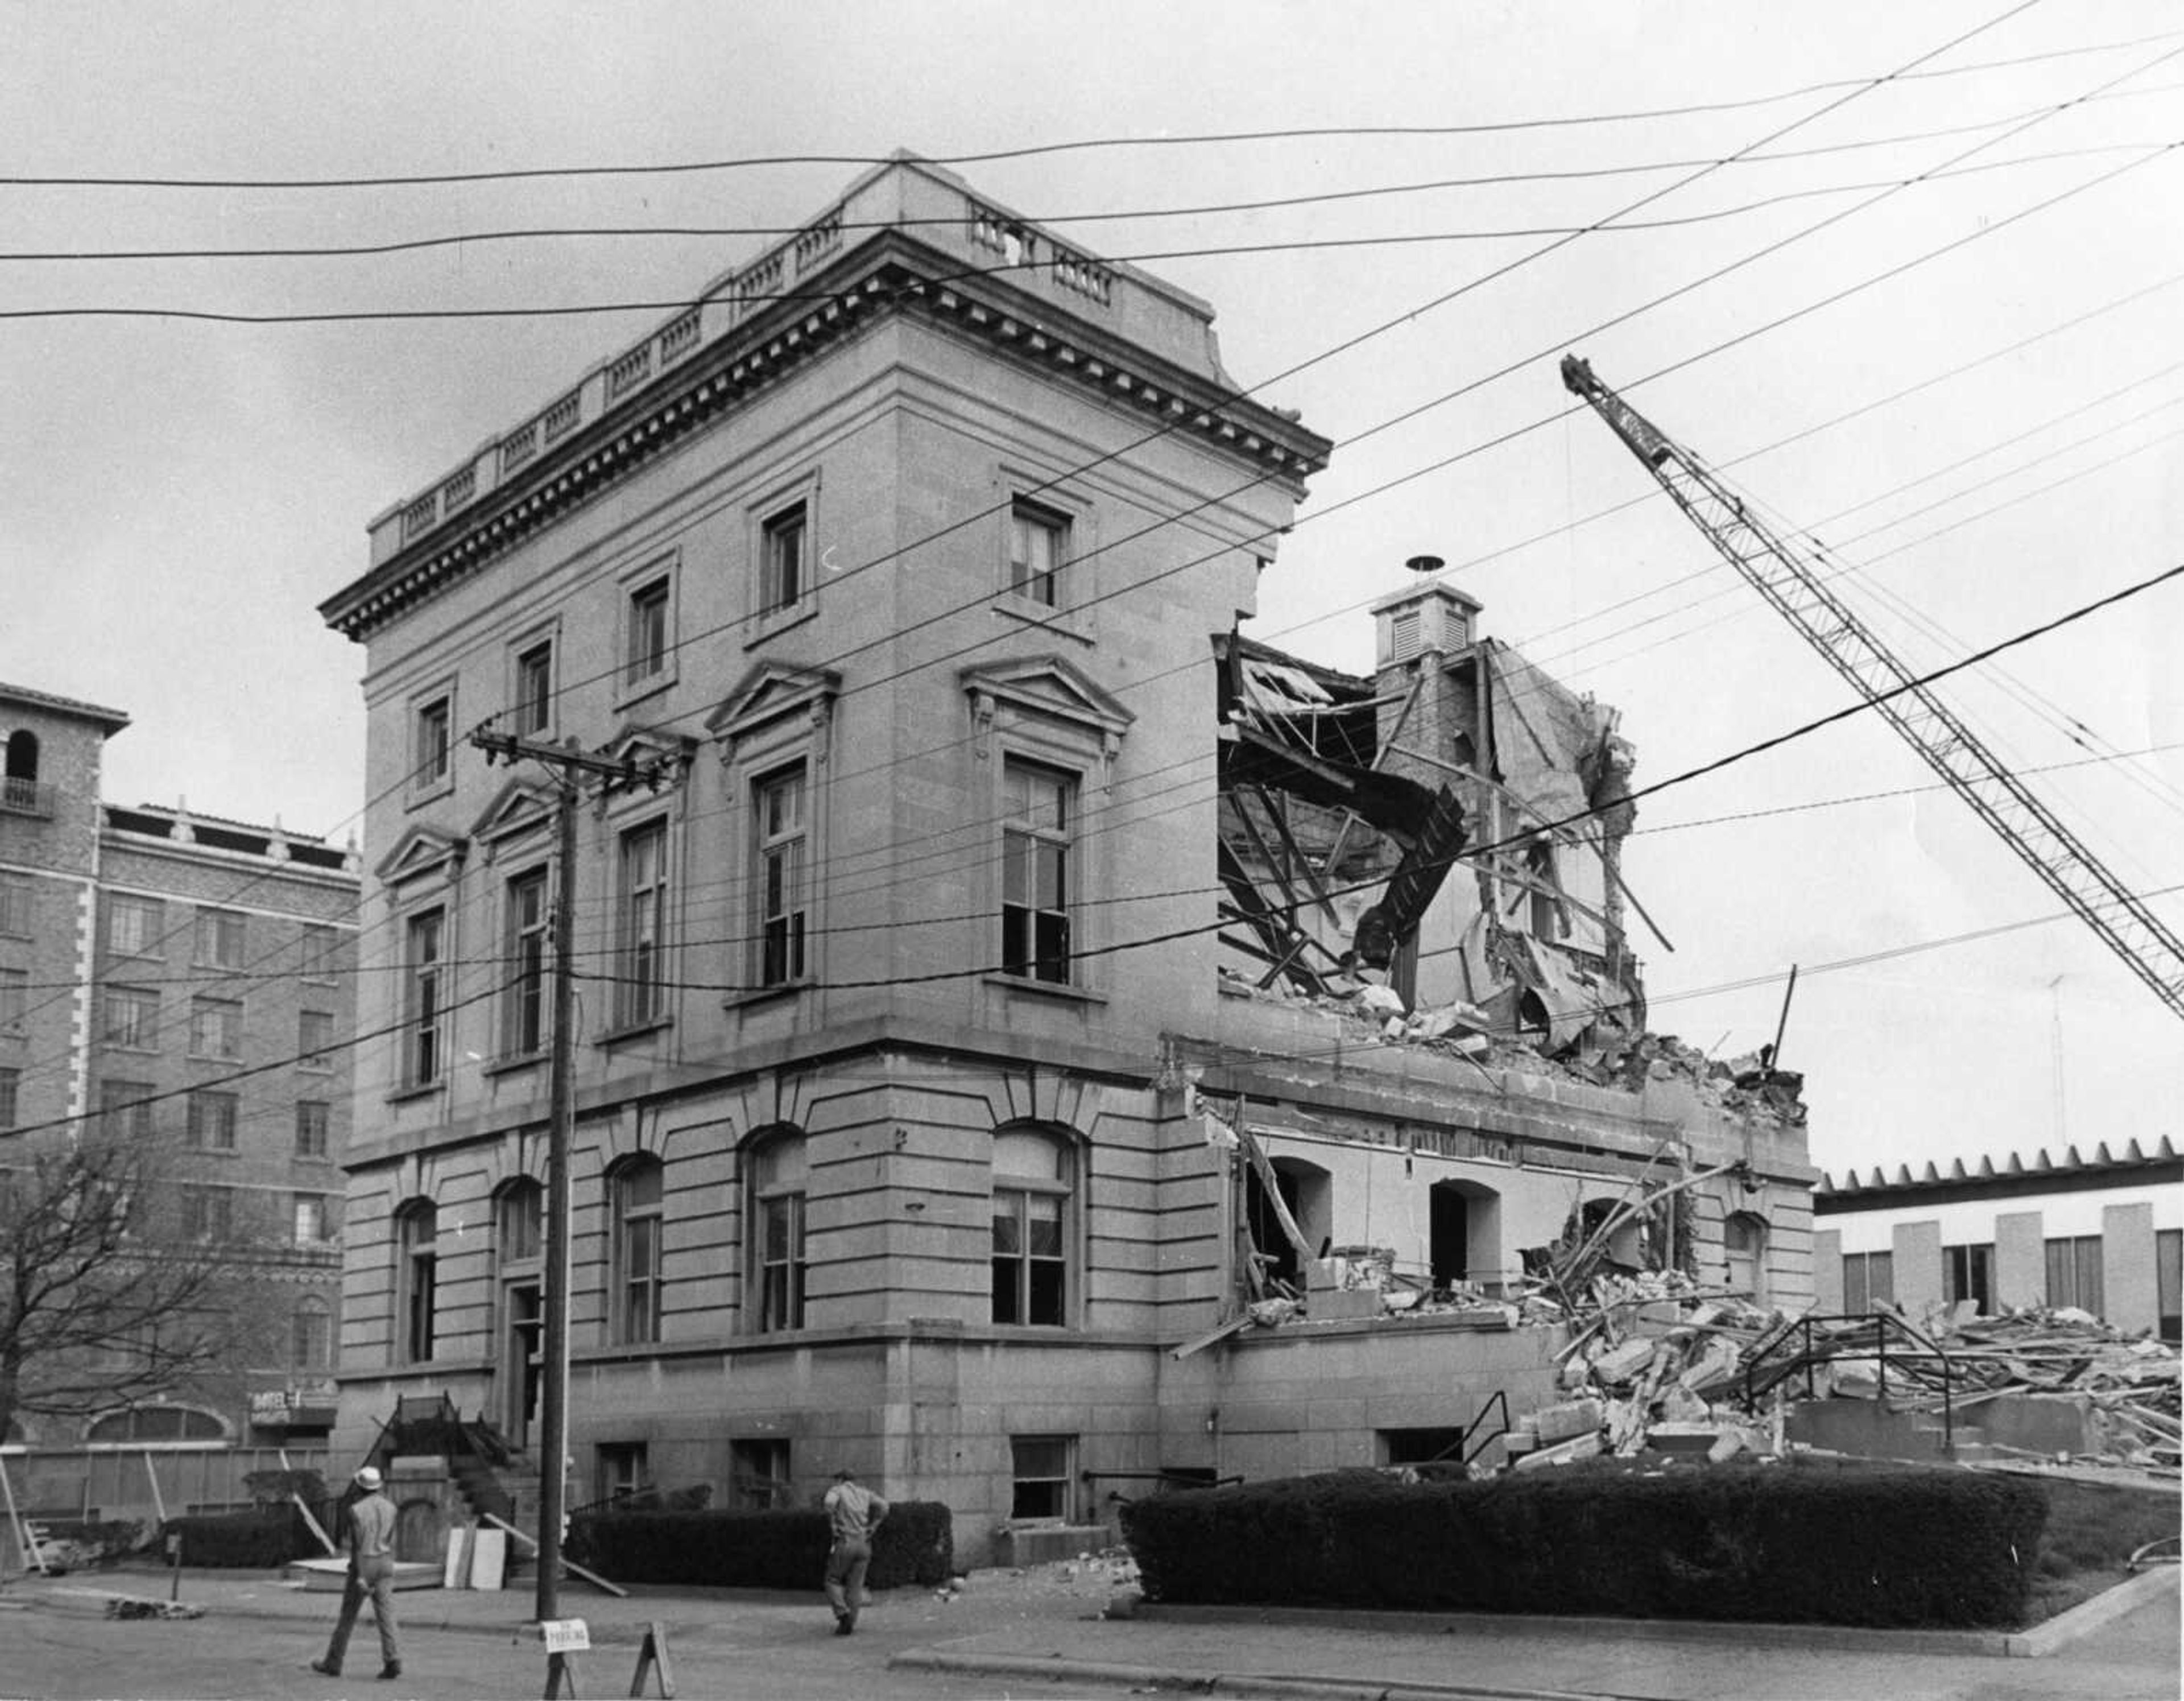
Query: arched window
[1466,1235]
[21,785]
[777,1177]
[1034,1180]
[637,1190]
[519,1221]
[157,1424]
[309,1334]
[1744,1244]
[417,1232]
[519,1217]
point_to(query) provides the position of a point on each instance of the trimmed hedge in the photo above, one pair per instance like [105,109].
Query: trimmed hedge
[261,1539]
[784,1549]
[1886,1546]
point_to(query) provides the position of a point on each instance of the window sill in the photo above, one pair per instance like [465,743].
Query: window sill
[773,623]
[423,1090]
[213,1058]
[634,1031]
[430,794]
[1062,622]
[638,690]
[513,1062]
[781,993]
[1065,992]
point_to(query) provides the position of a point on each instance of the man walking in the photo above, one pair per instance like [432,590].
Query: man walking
[370,1571]
[854,1511]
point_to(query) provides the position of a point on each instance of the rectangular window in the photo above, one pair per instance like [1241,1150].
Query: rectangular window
[644,925]
[779,815]
[781,1262]
[220,938]
[313,1121]
[318,951]
[15,896]
[431,750]
[1044,1477]
[638,1200]
[1038,550]
[646,653]
[216,1028]
[2169,1282]
[421,1060]
[2073,1273]
[758,1477]
[14,999]
[782,576]
[207,1214]
[534,689]
[310,1218]
[1968,1272]
[9,1081]
[623,1471]
[314,1040]
[212,1121]
[1868,1280]
[124,1109]
[1039,806]
[309,1338]
[131,1018]
[523,1020]
[1029,1261]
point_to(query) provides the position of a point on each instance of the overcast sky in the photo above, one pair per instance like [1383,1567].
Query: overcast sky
[177,496]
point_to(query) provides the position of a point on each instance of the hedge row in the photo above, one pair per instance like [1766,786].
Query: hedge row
[259,1539]
[1775,1544]
[787,1549]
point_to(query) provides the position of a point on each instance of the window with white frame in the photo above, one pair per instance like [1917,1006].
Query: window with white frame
[216,1028]
[780,850]
[310,1218]
[1044,1472]
[211,1117]
[220,939]
[1038,551]
[134,924]
[1967,1274]
[533,683]
[638,1192]
[647,639]
[1040,809]
[1031,1188]
[423,1017]
[1868,1280]
[778,1178]
[132,1017]
[642,929]
[523,1009]
[431,746]
[2073,1273]
[314,1120]
[416,1235]
[314,1040]
[784,569]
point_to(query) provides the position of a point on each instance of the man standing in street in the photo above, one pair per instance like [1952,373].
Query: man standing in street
[370,1571]
[854,1511]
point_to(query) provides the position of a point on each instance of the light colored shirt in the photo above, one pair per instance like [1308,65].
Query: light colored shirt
[371,1528]
[853,1510]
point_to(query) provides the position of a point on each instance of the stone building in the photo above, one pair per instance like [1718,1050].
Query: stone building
[915,551]
[187,981]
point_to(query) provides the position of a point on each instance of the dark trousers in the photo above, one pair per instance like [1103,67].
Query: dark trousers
[846,1577]
[374,1577]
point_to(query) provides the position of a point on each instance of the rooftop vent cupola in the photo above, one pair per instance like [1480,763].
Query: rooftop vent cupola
[1429,615]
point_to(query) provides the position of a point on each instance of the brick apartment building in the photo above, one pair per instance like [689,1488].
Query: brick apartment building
[916,552]
[187,981]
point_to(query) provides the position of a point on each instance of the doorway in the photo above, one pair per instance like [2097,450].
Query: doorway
[523,1360]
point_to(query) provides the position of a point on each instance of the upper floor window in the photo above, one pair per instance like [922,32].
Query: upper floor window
[220,938]
[208,1212]
[534,688]
[416,1235]
[15,1000]
[19,790]
[313,1122]
[134,925]
[318,951]
[310,1336]
[432,743]
[10,1080]
[423,1017]
[520,1220]
[523,1018]
[639,1193]
[310,1218]
[1038,551]
[646,637]
[778,818]
[1039,805]
[1032,1187]
[785,573]
[216,1028]
[16,894]
[778,1178]
[642,933]
[212,1121]
[314,1040]
[131,1017]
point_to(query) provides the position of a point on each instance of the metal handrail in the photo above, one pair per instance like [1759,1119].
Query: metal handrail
[1884,1323]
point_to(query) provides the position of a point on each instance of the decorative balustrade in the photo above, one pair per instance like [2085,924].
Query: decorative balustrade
[760,284]
[633,368]
[817,240]
[1002,234]
[560,419]
[1073,271]
[518,447]
[459,489]
[679,338]
[420,516]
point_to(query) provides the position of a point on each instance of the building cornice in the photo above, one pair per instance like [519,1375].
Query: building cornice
[2014,1178]
[502,497]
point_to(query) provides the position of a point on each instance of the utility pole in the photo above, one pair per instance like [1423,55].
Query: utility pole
[571,763]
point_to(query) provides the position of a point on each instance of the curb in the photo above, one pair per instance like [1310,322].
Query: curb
[1057,1669]
[2088,1616]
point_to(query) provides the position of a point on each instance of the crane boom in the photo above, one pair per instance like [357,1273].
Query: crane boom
[1781,573]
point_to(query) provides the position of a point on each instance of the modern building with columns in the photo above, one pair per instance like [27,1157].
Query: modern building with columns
[911,556]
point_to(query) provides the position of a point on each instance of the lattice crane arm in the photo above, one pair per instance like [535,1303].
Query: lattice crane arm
[1781,572]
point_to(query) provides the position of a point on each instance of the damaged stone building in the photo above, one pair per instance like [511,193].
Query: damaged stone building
[951,1084]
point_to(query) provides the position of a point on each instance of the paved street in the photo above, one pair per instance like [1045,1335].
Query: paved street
[1009,1635]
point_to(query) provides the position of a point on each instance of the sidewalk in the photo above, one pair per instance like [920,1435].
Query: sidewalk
[1045,1625]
